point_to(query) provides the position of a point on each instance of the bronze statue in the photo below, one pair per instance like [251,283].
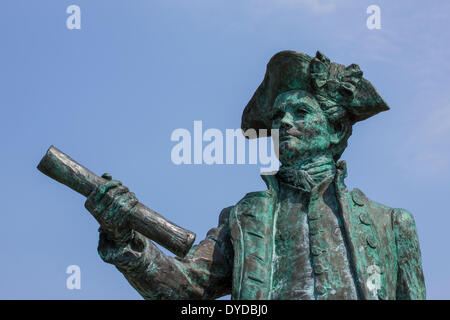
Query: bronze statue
[306,237]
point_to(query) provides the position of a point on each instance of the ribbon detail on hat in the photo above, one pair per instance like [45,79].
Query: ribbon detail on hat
[334,81]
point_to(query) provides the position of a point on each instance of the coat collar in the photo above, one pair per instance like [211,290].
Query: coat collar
[272,183]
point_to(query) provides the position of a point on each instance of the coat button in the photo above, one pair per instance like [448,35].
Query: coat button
[319,269]
[321,289]
[364,218]
[315,250]
[358,197]
[371,241]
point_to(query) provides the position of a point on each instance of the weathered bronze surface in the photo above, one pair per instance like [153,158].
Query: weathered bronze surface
[306,236]
[59,166]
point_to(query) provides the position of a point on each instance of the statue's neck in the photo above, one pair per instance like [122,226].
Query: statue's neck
[309,173]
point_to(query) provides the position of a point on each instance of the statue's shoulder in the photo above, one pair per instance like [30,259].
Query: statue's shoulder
[250,202]
[379,211]
[403,220]
[254,200]
[258,201]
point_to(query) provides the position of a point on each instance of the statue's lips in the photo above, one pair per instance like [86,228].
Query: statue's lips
[290,134]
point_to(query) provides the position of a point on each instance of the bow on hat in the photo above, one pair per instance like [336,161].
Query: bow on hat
[333,80]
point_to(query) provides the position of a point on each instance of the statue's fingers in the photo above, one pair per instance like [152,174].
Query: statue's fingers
[93,200]
[124,203]
[113,193]
[103,188]
[110,196]
[128,201]
[107,209]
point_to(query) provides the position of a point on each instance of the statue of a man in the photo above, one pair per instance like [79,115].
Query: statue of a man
[306,236]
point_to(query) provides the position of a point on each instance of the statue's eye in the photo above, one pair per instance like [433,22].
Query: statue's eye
[299,113]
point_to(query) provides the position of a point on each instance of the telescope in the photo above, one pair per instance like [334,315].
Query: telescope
[60,167]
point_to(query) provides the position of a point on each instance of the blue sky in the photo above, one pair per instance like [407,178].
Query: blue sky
[111,94]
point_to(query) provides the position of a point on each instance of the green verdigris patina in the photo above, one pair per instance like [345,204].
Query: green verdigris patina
[306,236]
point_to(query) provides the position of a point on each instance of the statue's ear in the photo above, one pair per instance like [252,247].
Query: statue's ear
[340,130]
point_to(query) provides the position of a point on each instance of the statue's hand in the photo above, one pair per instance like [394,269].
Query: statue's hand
[110,203]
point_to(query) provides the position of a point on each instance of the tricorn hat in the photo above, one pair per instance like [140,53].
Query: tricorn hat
[331,83]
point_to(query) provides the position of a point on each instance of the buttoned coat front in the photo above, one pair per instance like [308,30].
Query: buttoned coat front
[382,242]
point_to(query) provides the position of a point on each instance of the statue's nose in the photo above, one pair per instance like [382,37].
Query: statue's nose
[286,122]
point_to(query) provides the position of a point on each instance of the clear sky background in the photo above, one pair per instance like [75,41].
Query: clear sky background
[111,94]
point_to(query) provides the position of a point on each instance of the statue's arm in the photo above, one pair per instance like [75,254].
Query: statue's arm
[204,273]
[410,280]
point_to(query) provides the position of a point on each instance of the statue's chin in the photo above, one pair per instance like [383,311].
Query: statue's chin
[292,153]
[291,147]
[289,154]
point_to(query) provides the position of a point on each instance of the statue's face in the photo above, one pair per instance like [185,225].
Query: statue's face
[304,131]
